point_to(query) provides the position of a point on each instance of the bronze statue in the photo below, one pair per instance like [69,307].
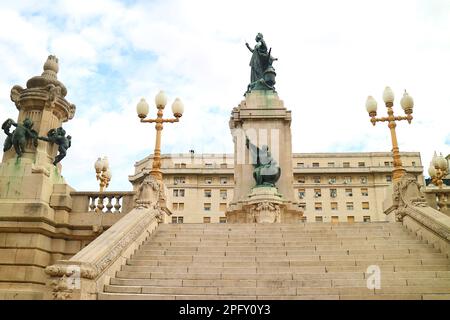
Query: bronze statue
[261,59]
[58,136]
[20,136]
[266,172]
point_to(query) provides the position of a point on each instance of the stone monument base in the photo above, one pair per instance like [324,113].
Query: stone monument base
[264,205]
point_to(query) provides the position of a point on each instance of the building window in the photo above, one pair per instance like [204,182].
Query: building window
[319,219]
[364,179]
[183,165]
[350,206]
[179,180]
[387,164]
[364,192]
[177,219]
[178,192]
[300,164]
[207,206]
[208,165]
[350,219]
[366,218]
[223,207]
[388,178]
[302,206]
[334,206]
[318,206]
[349,192]
[177,206]
[223,166]
[361,164]
[316,179]
[316,165]
[208,180]
[301,179]
[347,180]
[332,180]
[208,193]
[223,194]
[301,193]
[223,180]
[206,219]
[413,163]
[333,193]
[177,165]
[365,206]
[346,164]
[223,219]
[334,219]
[331,164]
[317,193]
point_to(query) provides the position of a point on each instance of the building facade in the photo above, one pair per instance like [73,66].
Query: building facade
[329,187]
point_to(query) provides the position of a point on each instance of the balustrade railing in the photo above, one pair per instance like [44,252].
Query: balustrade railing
[103,202]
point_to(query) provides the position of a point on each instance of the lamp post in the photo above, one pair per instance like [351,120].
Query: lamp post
[438,170]
[142,111]
[103,174]
[407,104]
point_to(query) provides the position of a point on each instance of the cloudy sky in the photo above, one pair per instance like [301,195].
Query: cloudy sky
[332,55]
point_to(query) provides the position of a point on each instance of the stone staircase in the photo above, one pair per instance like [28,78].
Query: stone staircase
[280,261]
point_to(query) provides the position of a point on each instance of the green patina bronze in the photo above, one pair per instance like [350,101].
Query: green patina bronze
[24,133]
[58,136]
[266,170]
[262,73]
[20,136]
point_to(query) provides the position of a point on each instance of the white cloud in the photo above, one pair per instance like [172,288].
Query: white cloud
[332,54]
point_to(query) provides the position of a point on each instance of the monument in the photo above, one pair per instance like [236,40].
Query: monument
[261,131]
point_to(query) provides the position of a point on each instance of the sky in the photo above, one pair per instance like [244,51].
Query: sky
[332,55]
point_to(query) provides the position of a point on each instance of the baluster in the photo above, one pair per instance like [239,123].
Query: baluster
[109,206]
[117,205]
[100,205]
[92,203]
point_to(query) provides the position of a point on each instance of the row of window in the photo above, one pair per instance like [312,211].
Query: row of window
[333,193]
[207,165]
[361,164]
[205,219]
[335,219]
[180,193]
[179,206]
[335,206]
[345,180]
[208,180]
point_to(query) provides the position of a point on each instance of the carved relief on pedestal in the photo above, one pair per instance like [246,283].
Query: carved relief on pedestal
[265,212]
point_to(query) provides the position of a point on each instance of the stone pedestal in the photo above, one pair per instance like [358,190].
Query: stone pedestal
[263,205]
[263,118]
[34,198]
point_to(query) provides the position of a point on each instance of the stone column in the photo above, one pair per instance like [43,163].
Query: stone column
[34,198]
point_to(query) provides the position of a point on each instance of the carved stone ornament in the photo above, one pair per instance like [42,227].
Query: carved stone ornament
[407,193]
[266,212]
[149,193]
[61,289]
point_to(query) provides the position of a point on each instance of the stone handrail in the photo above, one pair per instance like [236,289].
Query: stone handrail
[409,206]
[86,273]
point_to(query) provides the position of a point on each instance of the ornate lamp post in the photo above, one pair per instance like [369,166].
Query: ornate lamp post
[438,170]
[103,173]
[407,104]
[142,111]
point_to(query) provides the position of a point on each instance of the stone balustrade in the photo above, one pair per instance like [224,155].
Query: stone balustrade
[438,199]
[103,202]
